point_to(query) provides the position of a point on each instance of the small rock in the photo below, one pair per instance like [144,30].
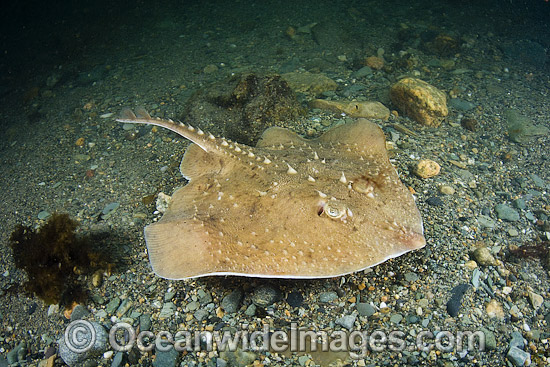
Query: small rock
[536,300]
[250,310]
[512,232]
[97,278]
[238,357]
[486,221]
[346,321]
[356,109]
[192,306]
[427,168]
[374,62]
[517,340]
[419,100]
[520,203]
[435,201]
[200,314]
[112,305]
[490,339]
[396,318]
[109,209]
[265,295]
[72,357]
[483,256]
[304,82]
[518,357]
[124,307]
[295,299]
[117,361]
[230,303]
[504,212]
[167,311]
[162,202]
[79,312]
[145,322]
[521,129]
[43,215]
[303,360]
[455,302]
[411,277]
[166,358]
[446,190]
[365,309]
[327,297]
[210,68]
[494,309]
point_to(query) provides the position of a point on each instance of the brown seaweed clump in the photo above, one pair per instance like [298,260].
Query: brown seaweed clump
[244,106]
[53,257]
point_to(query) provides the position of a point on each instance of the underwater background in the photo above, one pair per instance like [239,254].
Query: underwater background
[78,187]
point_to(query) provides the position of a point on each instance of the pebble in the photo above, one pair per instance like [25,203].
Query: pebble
[166,358]
[327,297]
[265,295]
[517,340]
[446,190]
[483,256]
[145,322]
[230,303]
[302,360]
[169,295]
[513,232]
[539,182]
[112,305]
[396,318]
[536,300]
[518,357]
[506,213]
[346,321]
[365,309]
[455,302]
[14,354]
[74,359]
[200,314]
[494,309]
[461,104]
[79,312]
[411,277]
[295,299]
[124,307]
[167,311]
[435,201]
[250,310]
[117,361]
[43,215]
[192,306]
[109,209]
[490,339]
[486,221]
[519,204]
[426,168]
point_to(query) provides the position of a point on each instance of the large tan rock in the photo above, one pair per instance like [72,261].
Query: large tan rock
[306,82]
[364,109]
[420,101]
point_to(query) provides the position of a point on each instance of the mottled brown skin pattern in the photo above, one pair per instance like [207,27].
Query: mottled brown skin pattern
[288,208]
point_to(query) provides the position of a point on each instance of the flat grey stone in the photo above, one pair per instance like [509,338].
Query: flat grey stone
[518,357]
[506,213]
[346,321]
[326,297]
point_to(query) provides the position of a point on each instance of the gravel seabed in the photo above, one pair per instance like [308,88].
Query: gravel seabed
[158,56]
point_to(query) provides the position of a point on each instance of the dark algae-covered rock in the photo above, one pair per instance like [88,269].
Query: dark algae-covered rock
[455,302]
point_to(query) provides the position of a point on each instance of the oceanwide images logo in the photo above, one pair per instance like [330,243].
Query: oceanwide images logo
[81,336]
